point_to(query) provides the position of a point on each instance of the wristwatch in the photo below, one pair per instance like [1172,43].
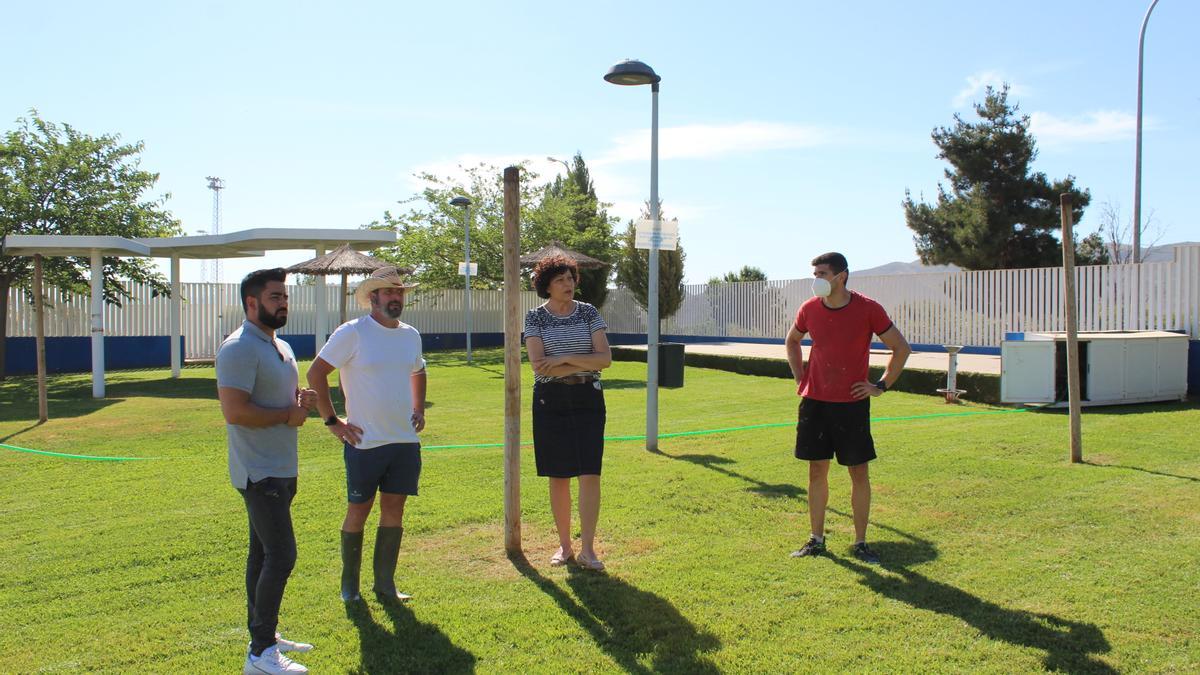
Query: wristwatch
[331,420]
[881,385]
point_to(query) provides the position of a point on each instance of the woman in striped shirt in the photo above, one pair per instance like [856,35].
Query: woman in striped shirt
[568,348]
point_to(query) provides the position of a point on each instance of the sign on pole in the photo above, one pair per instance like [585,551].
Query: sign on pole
[667,235]
[462,269]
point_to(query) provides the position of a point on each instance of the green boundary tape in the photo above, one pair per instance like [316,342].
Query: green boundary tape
[69,456]
[702,432]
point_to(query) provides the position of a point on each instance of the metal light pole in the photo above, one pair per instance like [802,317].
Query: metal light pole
[632,73]
[565,165]
[1137,161]
[466,206]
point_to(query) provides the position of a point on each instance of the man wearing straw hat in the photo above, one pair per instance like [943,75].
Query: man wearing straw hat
[376,355]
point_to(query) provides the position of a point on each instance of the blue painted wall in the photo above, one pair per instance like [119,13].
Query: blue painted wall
[74,354]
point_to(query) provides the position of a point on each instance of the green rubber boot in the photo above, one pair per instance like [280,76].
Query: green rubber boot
[351,565]
[387,551]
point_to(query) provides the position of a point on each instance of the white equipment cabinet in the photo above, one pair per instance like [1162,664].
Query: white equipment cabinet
[1118,367]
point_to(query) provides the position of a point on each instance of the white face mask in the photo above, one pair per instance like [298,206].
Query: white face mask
[821,288]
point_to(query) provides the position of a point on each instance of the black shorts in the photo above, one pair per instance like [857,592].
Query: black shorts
[827,429]
[394,468]
[568,429]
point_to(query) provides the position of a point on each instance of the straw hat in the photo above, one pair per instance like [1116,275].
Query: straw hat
[384,277]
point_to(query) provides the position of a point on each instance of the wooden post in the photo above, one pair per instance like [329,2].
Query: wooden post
[39,308]
[342,301]
[512,361]
[1068,244]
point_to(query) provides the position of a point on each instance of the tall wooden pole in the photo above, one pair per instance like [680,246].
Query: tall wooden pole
[342,302]
[1068,244]
[39,308]
[512,360]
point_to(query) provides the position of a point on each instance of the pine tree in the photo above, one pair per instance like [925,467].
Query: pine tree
[996,213]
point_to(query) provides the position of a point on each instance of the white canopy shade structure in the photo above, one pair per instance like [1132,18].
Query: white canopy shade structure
[96,247]
[241,244]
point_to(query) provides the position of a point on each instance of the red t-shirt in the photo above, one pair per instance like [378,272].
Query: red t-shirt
[841,345]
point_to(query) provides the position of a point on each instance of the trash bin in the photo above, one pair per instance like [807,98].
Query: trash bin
[670,364]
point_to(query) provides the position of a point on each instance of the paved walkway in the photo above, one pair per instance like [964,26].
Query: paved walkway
[967,363]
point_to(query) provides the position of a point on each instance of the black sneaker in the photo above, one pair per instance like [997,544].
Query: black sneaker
[865,554]
[811,547]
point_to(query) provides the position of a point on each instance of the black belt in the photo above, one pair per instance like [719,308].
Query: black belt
[574,379]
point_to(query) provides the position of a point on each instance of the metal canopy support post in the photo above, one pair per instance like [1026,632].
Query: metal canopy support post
[39,307]
[176,313]
[322,315]
[97,316]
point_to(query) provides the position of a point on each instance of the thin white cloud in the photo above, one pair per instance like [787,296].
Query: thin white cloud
[703,141]
[977,83]
[1094,127]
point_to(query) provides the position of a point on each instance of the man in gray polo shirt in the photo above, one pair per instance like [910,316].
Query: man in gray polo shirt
[263,407]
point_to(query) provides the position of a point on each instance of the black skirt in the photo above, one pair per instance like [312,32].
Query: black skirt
[568,429]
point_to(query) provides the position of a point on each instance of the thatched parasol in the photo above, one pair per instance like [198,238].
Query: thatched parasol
[557,248]
[342,260]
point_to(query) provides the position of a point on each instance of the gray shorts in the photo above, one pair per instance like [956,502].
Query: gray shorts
[394,468]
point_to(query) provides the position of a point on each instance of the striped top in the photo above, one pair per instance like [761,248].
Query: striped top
[570,334]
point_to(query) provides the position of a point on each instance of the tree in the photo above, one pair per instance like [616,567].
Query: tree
[1118,232]
[571,213]
[996,214]
[55,179]
[633,272]
[430,236]
[747,273]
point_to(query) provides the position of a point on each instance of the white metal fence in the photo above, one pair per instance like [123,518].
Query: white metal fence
[970,308]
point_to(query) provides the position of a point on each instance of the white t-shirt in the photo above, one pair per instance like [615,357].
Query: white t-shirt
[375,364]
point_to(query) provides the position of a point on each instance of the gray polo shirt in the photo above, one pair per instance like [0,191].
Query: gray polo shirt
[265,368]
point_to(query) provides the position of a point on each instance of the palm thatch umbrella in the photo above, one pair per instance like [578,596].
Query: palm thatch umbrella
[342,260]
[558,248]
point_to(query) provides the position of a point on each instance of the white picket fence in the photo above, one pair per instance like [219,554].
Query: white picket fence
[970,308]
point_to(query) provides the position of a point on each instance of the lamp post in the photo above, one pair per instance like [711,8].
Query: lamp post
[466,207]
[1137,161]
[633,73]
[565,165]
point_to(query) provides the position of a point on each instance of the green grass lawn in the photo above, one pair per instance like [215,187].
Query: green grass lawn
[999,555]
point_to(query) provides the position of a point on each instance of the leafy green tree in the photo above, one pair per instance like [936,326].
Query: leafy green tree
[571,212]
[57,180]
[996,213]
[633,272]
[430,235]
[747,273]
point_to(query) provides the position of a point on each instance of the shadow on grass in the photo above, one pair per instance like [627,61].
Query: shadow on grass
[69,397]
[1194,479]
[408,646]
[627,623]
[719,464]
[1131,409]
[622,384]
[1069,645]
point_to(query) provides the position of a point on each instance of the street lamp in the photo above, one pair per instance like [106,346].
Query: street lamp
[555,159]
[632,73]
[1137,161]
[466,207]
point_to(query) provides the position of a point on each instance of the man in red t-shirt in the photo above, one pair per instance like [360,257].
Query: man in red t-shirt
[835,412]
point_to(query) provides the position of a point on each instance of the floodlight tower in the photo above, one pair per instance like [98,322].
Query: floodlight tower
[216,185]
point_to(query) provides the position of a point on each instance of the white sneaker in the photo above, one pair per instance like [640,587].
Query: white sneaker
[286,645]
[272,662]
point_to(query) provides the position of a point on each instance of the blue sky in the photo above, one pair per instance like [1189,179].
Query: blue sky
[789,129]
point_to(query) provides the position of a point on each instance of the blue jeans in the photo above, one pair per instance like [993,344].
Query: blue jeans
[272,555]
